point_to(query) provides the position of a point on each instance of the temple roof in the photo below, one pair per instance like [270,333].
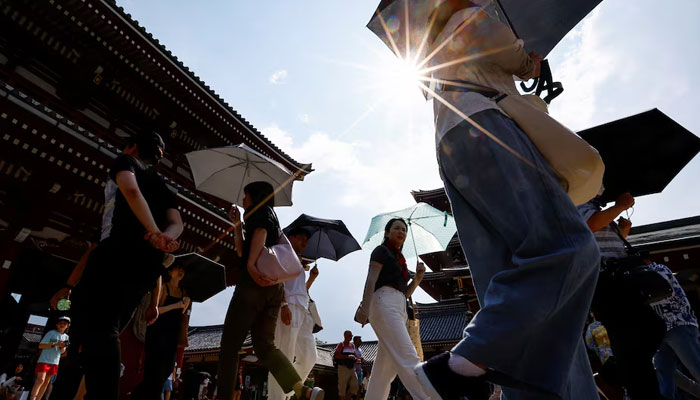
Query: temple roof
[443,321]
[668,234]
[306,168]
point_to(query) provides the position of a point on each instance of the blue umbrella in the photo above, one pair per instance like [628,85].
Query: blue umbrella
[429,229]
[328,238]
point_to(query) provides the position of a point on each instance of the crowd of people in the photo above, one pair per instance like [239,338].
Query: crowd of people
[539,265]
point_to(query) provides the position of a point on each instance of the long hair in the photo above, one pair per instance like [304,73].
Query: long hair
[261,194]
[387,228]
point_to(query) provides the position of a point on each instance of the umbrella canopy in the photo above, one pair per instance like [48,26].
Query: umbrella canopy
[224,171]
[328,238]
[540,23]
[203,277]
[429,229]
[642,153]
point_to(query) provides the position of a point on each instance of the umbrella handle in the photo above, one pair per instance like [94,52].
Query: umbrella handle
[413,239]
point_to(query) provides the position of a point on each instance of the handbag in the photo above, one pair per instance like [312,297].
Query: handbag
[413,326]
[634,278]
[276,264]
[577,165]
[318,326]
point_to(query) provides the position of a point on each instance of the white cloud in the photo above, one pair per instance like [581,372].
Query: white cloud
[587,63]
[377,175]
[278,77]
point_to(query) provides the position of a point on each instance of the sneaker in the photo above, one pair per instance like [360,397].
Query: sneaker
[312,393]
[441,383]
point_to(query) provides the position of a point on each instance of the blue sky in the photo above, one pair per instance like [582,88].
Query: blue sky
[313,79]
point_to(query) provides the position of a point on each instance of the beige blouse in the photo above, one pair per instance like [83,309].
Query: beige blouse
[483,51]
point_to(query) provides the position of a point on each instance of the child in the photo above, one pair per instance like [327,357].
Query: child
[52,346]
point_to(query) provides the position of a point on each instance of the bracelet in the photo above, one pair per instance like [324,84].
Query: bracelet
[284,304]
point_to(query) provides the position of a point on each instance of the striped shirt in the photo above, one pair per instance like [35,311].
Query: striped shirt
[608,238]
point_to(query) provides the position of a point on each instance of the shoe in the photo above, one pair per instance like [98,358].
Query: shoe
[312,393]
[441,383]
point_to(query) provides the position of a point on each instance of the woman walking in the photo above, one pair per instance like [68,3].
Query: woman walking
[533,261]
[162,336]
[255,308]
[384,303]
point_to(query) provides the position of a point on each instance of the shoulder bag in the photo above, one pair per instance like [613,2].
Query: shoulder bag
[276,264]
[634,278]
[578,166]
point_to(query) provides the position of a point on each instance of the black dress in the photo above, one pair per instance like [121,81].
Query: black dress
[161,348]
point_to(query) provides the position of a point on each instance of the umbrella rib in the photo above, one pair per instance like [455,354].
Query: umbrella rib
[220,171]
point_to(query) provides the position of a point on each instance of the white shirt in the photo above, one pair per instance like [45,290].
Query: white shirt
[295,291]
[495,55]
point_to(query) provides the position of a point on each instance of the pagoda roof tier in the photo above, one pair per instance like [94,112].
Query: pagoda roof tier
[442,322]
[667,235]
[449,283]
[89,60]
[436,198]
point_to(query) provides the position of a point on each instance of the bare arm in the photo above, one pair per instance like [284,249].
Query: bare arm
[235,216]
[313,274]
[126,180]
[601,219]
[417,278]
[73,279]
[372,276]
[256,245]
[175,226]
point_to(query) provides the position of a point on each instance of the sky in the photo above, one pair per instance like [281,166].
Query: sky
[321,86]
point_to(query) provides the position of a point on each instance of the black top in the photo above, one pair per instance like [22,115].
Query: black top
[264,217]
[119,223]
[391,273]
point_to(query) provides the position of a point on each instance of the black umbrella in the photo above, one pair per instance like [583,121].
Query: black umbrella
[328,238]
[540,23]
[642,153]
[203,277]
[544,23]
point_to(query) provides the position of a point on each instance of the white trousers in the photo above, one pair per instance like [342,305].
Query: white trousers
[396,353]
[297,342]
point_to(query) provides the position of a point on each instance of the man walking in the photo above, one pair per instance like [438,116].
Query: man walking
[140,222]
[344,359]
[294,331]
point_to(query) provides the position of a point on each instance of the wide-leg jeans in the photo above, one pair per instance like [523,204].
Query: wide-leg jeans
[534,262]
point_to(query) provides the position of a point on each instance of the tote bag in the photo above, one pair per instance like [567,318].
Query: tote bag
[276,264]
[577,165]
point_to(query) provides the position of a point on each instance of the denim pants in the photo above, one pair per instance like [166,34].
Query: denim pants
[534,261]
[681,343]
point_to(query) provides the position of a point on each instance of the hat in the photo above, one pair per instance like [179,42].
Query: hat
[63,318]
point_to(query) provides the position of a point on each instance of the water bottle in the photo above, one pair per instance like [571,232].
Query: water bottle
[63,304]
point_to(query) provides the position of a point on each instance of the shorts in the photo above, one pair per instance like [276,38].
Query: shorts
[168,385]
[347,381]
[50,369]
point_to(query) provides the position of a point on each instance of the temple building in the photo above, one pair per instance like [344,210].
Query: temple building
[77,78]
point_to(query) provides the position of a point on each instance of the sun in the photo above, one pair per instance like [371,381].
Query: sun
[401,78]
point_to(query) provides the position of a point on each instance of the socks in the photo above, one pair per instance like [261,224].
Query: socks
[462,366]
